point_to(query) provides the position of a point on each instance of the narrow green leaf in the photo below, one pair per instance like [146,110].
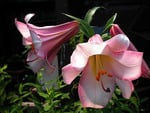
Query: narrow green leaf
[73,17]
[89,15]
[2,69]
[13,98]
[44,95]
[57,95]
[47,107]
[87,29]
[20,88]
[26,94]
[84,26]
[33,85]
[109,22]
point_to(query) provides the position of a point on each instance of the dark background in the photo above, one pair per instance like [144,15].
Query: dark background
[133,18]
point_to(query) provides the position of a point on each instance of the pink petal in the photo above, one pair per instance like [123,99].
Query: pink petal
[82,52]
[46,43]
[118,43]
[55,41]
[69,73]
[36,41]
[47,30]
[96,39]
[115,29]
[124,65]
[91,92]
[34,61]
[23,29]
[145,69]
[126,87]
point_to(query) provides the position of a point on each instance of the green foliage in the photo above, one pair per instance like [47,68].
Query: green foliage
[31,97]
[78,38]
[109,23]
[5,79]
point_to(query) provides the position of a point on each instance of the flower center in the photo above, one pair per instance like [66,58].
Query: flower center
[98,69]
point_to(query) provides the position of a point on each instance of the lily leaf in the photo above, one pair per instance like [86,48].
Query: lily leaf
[109,22]
[89,15]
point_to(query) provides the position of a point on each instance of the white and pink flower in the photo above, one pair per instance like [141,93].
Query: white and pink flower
[44,41]
[101,65]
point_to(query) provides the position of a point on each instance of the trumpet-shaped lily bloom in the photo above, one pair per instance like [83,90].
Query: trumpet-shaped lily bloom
[45,41]
[102,65]
[115,29]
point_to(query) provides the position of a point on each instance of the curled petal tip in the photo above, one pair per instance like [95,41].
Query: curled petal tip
[119,42]
[115,29]
[28,17]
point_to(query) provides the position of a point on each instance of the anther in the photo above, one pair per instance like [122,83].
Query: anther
[109,75]
[98,77]
[100,73]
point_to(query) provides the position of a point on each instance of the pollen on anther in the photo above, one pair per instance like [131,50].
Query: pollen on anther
[103,72]
[98,77]
[109,75]
[100,73]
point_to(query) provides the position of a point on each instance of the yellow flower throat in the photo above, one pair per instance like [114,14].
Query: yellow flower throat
[96,63]
[97,66]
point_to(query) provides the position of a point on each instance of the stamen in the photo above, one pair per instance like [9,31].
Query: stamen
[98,77]
[109,75]
[102,72]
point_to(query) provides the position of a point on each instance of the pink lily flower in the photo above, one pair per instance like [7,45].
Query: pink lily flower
[115,29]
[101,65]
[44,41]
